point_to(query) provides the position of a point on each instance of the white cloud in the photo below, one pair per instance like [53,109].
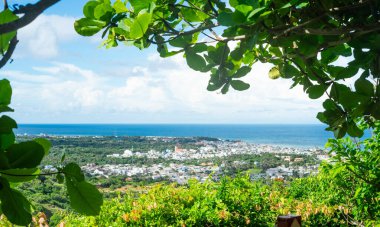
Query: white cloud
[41,38]
[161,91]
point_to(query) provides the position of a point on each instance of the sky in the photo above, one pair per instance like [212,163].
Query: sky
[60,77]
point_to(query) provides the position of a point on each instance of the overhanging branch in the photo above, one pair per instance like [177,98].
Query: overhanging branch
[8,54]
[30,12]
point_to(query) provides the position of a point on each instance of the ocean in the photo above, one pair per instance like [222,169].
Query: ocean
[282,135]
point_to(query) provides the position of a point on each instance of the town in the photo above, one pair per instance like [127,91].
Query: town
[209,160]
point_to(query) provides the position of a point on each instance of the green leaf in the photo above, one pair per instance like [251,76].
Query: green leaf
[256,12]
[225,88]
[215,82]
[4,163]
[14,205]
[340,131]
[25,155]
[195,61]
[6,140]
[63,156]
[140,25]
[316,91]
[231,19]
[5,92]
[73,170]
[332,54]
[353,130]
[89,8]
[191,15]
[103,11]
[181,41]
[60,178]
[139,5]
[239,85]
[46,144]
[199,47]
[12,177]
[7,125]
[84,197]
[243,71]
[119,7]
[244,9]
[289,71]
[5,17]
[365,87]
[88,27]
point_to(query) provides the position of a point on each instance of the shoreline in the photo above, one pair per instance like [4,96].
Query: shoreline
[252,142]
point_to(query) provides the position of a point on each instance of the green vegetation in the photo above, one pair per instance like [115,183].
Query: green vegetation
[322,200]
[20,162]
[302,40]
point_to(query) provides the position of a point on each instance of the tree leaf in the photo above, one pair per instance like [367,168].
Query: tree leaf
[239,85]
[340,131]
[5,17]
[84,197]
[181,41]
[140,25]
[364,86]
[7,124]
[88,27]
[256,12]
[74,171]
[289,71]
[103,11]
[193,15]
[25,155]
[14,205]
[5,92]
[195,61]
[231,18]
[119,7]
[243,71]
[139,5]
[89,8]
[353,130]
[46,144]
[6,140]
[225,88]
[316,91]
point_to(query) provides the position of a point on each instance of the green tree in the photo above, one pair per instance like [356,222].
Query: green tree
[19,162]
[302,39]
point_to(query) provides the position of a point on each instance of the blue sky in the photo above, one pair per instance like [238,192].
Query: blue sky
[61,77]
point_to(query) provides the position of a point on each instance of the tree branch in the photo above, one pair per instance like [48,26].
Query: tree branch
[310,31]
[8,54]
[31,12]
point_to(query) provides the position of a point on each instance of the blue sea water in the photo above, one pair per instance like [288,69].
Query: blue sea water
[284,135]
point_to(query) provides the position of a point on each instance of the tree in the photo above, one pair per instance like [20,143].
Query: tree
[19,162]
[302,39]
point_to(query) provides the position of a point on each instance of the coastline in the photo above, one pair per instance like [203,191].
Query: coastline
[305,136]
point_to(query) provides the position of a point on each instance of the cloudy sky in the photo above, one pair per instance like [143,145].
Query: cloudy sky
[61,77]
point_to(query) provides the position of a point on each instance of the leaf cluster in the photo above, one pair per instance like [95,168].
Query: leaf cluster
[20,161]
[303,40]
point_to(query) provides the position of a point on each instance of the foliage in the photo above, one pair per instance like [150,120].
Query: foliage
[230,202]
[19,162]
[303,40]
[358,162]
